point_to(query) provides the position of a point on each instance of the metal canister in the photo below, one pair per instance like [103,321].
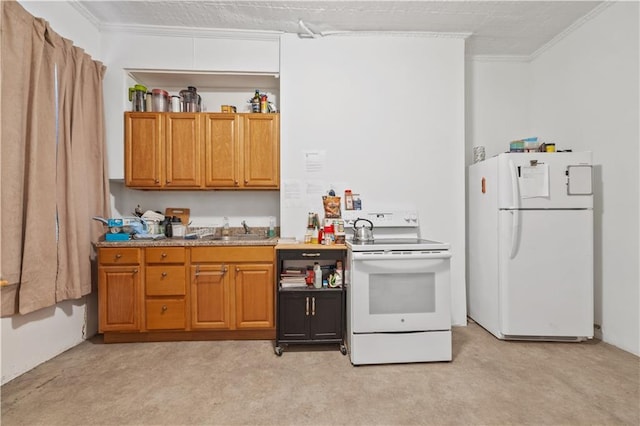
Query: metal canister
[175,103]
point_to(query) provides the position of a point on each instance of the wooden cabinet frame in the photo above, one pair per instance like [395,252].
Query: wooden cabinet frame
[202,151]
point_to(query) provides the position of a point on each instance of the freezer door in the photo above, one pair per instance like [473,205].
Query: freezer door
[546,273]
[543,180]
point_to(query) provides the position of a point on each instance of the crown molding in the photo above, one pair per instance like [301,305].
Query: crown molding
[571,28]
[498,58]
[166,31]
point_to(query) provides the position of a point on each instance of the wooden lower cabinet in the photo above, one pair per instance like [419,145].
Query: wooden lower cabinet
[232,288]
[210,297]
[181,293]
[119,289]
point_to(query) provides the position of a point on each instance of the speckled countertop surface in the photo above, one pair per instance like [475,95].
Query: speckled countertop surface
[181,242]
[200,242]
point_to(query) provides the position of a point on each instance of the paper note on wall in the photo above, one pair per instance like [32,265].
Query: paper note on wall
[534,181]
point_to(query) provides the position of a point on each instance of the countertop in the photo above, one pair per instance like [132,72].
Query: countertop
[181,242]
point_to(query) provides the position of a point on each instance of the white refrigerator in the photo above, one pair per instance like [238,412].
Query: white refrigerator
[530,246]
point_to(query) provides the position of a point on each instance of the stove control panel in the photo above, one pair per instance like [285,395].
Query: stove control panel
[382,218]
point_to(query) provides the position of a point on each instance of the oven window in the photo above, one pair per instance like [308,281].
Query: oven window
[402,293]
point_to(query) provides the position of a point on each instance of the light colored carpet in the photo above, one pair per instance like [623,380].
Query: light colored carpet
[242,382]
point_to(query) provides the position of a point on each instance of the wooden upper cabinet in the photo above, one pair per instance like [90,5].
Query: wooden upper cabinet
[242,151]
[261,149]
[202,150]
[183,144]
[222,163]
[143,150]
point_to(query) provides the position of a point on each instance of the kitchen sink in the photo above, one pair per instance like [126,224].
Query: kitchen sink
[238,237]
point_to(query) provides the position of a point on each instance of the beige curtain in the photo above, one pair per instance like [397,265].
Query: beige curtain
[53,177]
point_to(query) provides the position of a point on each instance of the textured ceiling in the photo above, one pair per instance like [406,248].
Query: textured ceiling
[517,28]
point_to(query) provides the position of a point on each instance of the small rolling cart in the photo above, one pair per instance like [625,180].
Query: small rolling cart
[308,315]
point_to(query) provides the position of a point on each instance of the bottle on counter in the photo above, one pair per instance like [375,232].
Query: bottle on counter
[225,227]
[317,275]
[168,229]
[272,227]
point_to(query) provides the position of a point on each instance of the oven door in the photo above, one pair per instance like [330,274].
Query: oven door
[399,291]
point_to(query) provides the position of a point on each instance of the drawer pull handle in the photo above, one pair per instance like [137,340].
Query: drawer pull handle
[307,307]
[164,308]
[313,306]
[310,254]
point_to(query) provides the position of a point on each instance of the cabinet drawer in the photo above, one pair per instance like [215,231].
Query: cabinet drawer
[232,254]
[165,314]
[164,255]
[165,281]
[119,256]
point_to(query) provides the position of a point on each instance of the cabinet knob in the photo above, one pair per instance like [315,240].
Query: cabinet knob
[135,271]
[246,181]
[235,182]
[163,254]
[164,274]
[168,181]
[157,180]
[118,256]
[164,308]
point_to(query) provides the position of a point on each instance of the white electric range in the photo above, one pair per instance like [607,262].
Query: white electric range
[398,292]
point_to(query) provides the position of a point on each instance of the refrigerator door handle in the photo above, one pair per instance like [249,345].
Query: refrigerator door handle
[515,233]
[515,193]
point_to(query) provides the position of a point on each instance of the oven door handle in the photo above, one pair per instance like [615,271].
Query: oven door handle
[401,256]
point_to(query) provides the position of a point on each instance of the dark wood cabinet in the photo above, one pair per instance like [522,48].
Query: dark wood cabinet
[309,315]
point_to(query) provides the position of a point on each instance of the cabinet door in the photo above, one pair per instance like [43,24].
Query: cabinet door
[293,315]
[143,149]
[119,298]
[261,151]
[222,150]
[210,297]
[326,315]
[254,292]
[183,141]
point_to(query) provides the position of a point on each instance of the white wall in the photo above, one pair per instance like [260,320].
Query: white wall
[388,114]
[581,93]
[585,93]
[498,98]
[29,340]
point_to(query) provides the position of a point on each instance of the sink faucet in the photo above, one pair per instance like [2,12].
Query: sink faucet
[246,227]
